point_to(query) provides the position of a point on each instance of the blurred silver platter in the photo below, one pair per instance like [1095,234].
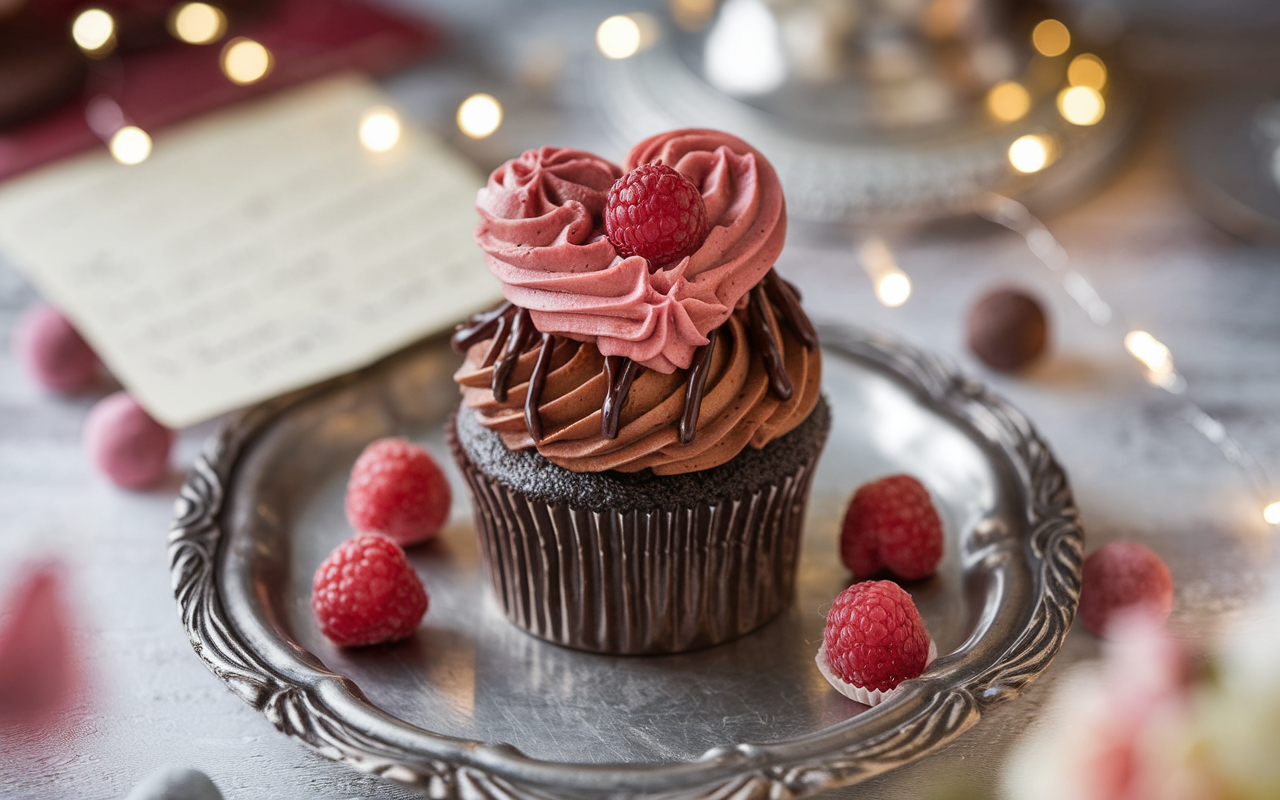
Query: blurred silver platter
[471,707]
[841,168]
[1230,148]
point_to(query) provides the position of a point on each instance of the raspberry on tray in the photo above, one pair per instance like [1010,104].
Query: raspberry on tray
[366,592]
[874,640]
[398,490]
[891,525]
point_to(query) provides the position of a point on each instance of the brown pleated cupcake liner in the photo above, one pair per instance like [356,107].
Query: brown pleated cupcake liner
[640,581]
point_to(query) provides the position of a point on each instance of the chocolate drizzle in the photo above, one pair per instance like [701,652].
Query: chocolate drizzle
[760,328]
[479,327]
[619,374]
[512,332]
[698,371]
[787,298]
[499,338]
[538,380]
[522,331]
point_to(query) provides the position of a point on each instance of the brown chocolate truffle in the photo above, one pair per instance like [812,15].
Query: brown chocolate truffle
[1007,329]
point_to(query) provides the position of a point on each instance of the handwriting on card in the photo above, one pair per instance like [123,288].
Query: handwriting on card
[256,251]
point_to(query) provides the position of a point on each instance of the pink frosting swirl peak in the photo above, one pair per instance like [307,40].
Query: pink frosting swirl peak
[542,232]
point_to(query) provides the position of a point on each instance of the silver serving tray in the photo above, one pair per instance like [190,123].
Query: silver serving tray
[472,707]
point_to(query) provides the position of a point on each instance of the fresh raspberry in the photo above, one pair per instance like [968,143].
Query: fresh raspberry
[365,592]
[1123,575]
[892,525]
[397,489]
[655,212]
[874,636]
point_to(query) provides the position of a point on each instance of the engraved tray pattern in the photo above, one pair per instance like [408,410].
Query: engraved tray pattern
[1041,540]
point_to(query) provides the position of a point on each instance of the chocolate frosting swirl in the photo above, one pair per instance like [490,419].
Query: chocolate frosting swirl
[738,408]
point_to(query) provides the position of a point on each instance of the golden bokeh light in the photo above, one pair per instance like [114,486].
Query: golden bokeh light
[379,129]
[1081,105]
[1031,153]
[1087,69]
[479,116]
[1051,38]
[94,32]
[1008,101]
[1150,351]
[892,286]
[1272,514]
[692,15]
[893,289]
[197,23]
[618,37]
[245,61]
[130,145]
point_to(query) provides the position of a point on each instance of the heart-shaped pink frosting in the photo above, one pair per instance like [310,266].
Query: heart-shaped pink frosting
[541,228]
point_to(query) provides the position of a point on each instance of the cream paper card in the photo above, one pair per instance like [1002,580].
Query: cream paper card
[259,249]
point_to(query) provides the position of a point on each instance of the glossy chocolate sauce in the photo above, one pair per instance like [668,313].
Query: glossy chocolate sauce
[512,331]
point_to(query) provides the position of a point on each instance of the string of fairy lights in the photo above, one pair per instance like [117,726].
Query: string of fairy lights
[245,61]
[892,288]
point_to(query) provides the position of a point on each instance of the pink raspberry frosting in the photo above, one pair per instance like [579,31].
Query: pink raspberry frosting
[541,228]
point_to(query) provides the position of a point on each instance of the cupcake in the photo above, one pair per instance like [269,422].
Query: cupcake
[641,418]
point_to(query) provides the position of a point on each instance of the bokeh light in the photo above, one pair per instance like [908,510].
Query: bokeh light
[893,289]
[94,32]
[692,15]
[1087,69]
[618,37]
[1149,350]
[1272,514]
[891,285]
[379,129]
[1008,101]
[245,61]
[130,145]
[743,50]
[1051,38]
[197,23]
[479,116]
[1031,153]
[1081,105]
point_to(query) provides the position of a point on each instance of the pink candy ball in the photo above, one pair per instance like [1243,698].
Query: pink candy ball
[53,352]
[125,443]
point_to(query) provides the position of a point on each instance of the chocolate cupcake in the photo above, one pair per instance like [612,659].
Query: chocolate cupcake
[641,418]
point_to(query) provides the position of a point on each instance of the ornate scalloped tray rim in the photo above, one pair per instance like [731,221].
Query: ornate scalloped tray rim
[929,711]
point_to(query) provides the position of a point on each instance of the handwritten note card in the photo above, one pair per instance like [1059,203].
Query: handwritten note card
[257,250]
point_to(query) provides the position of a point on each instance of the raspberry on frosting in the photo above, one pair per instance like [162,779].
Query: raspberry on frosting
[873,641]
[543,240]
[656,213]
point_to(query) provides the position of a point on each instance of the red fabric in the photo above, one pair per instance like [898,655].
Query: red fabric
[164,85]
